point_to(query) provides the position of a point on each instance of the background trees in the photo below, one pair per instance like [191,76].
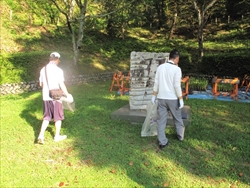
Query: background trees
[173,18]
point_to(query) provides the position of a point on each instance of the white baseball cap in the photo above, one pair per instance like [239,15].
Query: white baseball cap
[55,55]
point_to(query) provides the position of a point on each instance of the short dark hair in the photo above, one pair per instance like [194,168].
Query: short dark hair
[174,54]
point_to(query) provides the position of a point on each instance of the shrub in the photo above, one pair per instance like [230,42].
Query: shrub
[226,64]
[198,84]
[22,66]
[186,64]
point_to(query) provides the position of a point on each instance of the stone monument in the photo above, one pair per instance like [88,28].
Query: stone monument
[143,66]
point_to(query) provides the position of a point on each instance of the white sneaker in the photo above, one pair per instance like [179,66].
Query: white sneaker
[40,140]
[60,138]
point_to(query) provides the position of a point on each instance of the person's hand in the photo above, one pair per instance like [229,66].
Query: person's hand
[181,103]
[70,98]
[153,99]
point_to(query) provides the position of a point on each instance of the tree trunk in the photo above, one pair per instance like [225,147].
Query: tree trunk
[200,41]
[201,11]
[75,50]
[45,19]
[171,32]
[11,15]
[77,44]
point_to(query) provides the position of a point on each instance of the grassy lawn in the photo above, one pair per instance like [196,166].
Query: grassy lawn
[100,152]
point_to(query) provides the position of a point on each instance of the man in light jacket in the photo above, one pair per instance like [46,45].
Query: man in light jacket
[167,87]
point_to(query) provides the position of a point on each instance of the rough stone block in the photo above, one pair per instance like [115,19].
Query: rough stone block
[138,116]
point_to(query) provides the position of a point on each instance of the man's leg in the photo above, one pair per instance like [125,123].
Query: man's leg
[176,112]
[58,125]
[42,131]
[58,117]
[162,121]
[59,137]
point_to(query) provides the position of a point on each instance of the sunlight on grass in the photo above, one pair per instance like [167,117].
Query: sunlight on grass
[98,65]
[100,152]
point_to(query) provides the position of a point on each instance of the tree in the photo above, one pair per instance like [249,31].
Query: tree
[160,7]
[117,14]
[67,8]
[202,8]
[43,10]
[77,16]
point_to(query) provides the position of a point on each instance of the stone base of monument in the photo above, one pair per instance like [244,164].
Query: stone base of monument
[138,116]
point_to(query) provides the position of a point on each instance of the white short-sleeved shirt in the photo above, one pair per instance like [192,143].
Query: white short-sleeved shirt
[54,76]
[168,81]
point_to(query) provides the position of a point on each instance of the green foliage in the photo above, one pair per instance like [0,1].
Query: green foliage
[226,64]
[22,66]
[198,84]
[112,54]
[225,87]
[186,63]
[100,152]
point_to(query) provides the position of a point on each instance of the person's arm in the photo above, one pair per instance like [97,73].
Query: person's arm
[177,83]
[177,86]
[63,88]
[156,84]
[62,85]
[41,79]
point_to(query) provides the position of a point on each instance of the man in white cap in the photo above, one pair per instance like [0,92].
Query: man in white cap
[52,78]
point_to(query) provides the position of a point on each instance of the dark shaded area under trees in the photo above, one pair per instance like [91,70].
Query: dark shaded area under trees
[112,21]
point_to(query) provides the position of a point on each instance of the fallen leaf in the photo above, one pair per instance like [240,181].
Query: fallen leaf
[131,163]
[113,171]
[69,150]
[69,164]
[165,185]
[233,186]
[61,184]
[240,174]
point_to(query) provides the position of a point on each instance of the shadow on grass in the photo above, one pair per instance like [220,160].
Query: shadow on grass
[215,149]
[30,114]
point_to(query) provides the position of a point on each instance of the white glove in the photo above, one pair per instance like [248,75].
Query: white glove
[181,103]
[153,99]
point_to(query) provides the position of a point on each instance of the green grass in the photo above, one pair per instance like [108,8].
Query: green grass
[100,152]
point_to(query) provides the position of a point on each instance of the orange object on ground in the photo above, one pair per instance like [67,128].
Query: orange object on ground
[235,82]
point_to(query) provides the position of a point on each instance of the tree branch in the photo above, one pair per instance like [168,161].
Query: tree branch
[65,14]
[209,5]
[79,3]
[112,12]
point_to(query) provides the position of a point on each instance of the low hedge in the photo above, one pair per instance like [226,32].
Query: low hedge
[186,64]
[22,67]
[226,64]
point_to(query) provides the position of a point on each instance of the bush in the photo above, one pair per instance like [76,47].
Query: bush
[224,64]
[22,67]
[186,64]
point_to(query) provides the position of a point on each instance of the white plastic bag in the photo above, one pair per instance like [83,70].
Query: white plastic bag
[149,127]
[68,103]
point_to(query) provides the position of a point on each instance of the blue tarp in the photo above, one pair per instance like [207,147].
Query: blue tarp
[242,96]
